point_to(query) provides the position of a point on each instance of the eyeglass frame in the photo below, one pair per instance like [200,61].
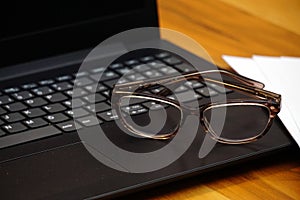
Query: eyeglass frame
[264,98]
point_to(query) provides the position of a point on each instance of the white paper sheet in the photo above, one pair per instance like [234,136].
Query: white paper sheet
[280,75]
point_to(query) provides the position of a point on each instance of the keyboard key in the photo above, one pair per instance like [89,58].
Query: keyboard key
[42,91]
[125,70]
[194,84]
[55,118]
[147,58]
[132,62]
[15,107]
[11,90]
[64,78]
[68,126]
[162,55]
[108,116]
[94,98]
[22,95]
[29,86]
[89,121]
[76,103]
[168,70]
[141,68]
[152,74]
[116,65]
[98,70]
[14,128]
[76,92]
[219,88]
[184,67]
[62,86]
[5,100]
[82,81]
[207,92]
[108,75]
[98,107]
[13,117]
[34,112]
[79,112]
[46,82]
[96,87]
[81,74]
[172,60]
[135,77]
[156,64]
[2,111]
[36,102]
[35,123]
[27,136]
[180,89]
[56,97]
[53,108]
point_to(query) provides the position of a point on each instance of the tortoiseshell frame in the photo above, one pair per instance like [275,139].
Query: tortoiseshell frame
[251,88]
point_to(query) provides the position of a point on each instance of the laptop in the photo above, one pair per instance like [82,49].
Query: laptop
[41,154]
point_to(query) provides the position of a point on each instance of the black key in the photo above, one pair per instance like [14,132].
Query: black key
[172,60]
[98,98]
[152,74]
[187,96]
[13,117]
[125,70]
[95,87]
[132,62]
[56,97]
[53,108]
[15,107]
[89,121]
[156,64]
[46,82]
[134,109]
[207,92]
[108,75]
[35,123]
[81,74]
[147,58]
[79,112]
[98,70]
[135,77]
[36,102]
[111,83]
[180,89]
[77,92]
[194,84]
[168,70]
[34,112]
[62,86]
[68,126]
[11,90]
[14,128]
[152,105]
[162,55]
[22,95]
[29,86]
[76,103]
[2,111]
[184,67]
[82,81]
[55,118]
[42,91]
[98,107]
[116,65]
[5,100]
[108,115]
[219,88]
[141,68]
[64,78]
[27,136]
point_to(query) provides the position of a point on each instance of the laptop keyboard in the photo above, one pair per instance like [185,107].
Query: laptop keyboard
[42,109]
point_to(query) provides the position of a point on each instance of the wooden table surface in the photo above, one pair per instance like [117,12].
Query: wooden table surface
[227,27]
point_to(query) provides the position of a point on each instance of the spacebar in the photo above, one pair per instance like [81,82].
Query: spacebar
[27,136]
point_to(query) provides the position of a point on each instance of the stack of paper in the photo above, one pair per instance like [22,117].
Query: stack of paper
[280,75]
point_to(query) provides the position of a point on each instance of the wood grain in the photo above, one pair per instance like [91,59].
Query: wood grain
[222,28]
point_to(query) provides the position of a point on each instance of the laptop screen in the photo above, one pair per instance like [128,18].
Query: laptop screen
[34,30]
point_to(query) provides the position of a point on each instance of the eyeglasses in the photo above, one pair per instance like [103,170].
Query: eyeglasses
[150,109]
